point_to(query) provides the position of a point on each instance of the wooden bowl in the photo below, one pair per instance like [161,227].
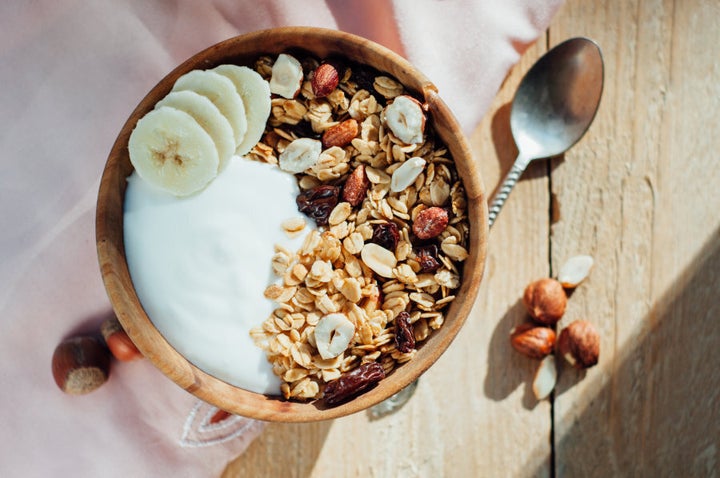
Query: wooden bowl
[243,50]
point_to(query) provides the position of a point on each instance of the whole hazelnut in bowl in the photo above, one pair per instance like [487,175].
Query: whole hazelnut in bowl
[392,226]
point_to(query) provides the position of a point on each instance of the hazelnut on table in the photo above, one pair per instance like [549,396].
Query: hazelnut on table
[545,300]
[579,344]
[533,341]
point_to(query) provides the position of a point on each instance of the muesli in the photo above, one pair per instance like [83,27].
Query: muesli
[374,279]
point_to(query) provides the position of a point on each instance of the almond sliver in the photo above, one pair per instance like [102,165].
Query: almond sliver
[575,270]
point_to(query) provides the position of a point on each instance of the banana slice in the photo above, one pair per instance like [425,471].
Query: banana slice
[255,93]
[222,92]
[171,151]
[208,116]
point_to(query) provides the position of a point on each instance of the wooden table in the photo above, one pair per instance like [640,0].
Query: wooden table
[641,194]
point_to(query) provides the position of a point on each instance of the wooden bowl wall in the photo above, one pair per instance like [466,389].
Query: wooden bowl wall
[243,50]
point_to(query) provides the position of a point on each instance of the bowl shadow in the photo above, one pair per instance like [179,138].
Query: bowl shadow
[302,441]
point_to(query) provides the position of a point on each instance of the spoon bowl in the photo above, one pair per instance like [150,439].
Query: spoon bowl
[558,98]
[553,107]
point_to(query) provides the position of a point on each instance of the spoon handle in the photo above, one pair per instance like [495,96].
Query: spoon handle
[512,177]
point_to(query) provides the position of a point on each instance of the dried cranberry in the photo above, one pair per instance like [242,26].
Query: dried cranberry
[430,222]
[386,234]
[404,333]
[353,383]
[427,257]
[318,202]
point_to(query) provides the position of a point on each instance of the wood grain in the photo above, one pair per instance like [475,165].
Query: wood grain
[474,407]
[637,195]
[640,193]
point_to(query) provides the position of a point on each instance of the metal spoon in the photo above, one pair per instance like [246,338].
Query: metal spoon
[554,106]
[552,109]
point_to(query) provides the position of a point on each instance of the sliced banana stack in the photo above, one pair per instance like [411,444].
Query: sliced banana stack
[255,93]
[169,149]
[194,131]
[222,92]
[208,116]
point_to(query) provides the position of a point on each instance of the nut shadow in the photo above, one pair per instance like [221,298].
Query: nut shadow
[90,325]
[507,369]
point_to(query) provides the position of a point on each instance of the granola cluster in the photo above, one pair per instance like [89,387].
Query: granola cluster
[368,259]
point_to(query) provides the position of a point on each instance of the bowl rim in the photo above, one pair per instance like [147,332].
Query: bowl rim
[115,273]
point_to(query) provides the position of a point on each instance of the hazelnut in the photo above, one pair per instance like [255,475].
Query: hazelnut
[579,344]
[299,155]
[80,364]
[118,341]
[532,340]
[545,300]
[287,76]
[333,334]
[356,186]
[406,119]
[341,134]
[324,80]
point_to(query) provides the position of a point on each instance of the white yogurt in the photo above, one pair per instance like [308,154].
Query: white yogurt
[200,265]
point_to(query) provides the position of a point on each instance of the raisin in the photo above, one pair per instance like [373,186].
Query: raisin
[353,383]
[386,235]
[303,129]
[317,203]
[364,77]
[427,257]
[404,333]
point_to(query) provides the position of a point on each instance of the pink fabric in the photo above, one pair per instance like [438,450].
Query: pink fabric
[71,72]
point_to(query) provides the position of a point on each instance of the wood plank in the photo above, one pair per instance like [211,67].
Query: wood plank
[640,195]
[473,411]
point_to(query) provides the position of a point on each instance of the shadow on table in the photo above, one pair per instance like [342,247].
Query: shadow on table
[91,324]
[507,369]
[656,411]
[505,149]
[301,441]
